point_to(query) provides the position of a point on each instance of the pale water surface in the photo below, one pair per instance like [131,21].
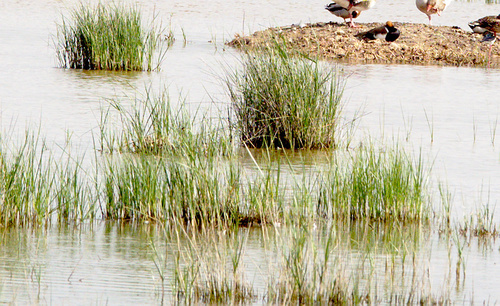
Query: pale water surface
[450,114]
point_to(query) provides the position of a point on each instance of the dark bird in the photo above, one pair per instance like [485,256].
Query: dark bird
[490,39]
[486,24]
[339,11]
[386,32]
[355,5]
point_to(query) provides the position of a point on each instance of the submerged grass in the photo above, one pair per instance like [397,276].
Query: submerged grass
[376,185]
[285,100]
[107,36]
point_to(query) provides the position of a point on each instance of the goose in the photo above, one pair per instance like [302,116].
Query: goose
[430,7]
[339,11]
[486,24]
[386,32]
[355,5]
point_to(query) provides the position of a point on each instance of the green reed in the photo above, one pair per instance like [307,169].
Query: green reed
[380,185]
[25,182]
[37,188]
[285,100]
[152,126]
[107,37]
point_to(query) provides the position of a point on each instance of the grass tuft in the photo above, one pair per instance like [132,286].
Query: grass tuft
[284,100]
[107,36]
[376,185]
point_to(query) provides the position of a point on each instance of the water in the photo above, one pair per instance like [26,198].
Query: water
[450,114]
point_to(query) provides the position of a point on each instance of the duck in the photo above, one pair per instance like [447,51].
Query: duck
[339,11]
[486,24]
[386,32]
[355,5]
[431,7]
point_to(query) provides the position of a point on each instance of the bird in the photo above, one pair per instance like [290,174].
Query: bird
[490,39]
[339,11]
[355,5]
[386,32]
[486,24]
[430,7]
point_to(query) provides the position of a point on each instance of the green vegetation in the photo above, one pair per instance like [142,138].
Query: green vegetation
[376,185]
[35,187]
[284,100]
[107,37]
[152,126]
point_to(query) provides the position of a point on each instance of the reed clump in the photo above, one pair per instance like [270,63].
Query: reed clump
[109,37]
[285,100]
[376,185]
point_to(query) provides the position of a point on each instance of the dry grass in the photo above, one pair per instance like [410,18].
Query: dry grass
[418,44]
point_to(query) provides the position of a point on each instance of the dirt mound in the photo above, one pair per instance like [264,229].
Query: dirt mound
[418,44]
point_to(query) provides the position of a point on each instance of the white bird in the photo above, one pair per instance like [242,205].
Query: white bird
[355,5]
[431,7]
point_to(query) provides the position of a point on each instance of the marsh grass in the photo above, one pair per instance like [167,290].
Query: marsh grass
[208,268]
[379,185]
[25,182]
[37,188]
[479,224]
[285,100]
[202,193]
[151,125]
[108,36]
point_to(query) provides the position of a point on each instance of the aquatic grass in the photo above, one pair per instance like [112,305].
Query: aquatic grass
[204,259]
[37,188]
[152,126]
[307,272]
[379,185]
[25,182]
[479,224]
[263,198]
[202,193]
[285,100]
[108,36]
[74,196]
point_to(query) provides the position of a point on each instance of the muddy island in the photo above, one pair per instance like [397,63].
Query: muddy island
[418,44]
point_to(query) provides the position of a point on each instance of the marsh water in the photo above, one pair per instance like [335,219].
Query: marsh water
[449,114]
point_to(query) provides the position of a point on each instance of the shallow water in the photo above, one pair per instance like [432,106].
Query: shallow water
[450,114]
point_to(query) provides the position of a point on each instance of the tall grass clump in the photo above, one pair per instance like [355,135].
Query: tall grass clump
[285,100]
[107,36]
[377,185]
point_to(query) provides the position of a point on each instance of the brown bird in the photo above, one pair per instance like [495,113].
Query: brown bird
[486,24]
[386,32]
[356,5]
[339,11]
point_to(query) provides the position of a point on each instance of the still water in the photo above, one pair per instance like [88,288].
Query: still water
[450,114]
